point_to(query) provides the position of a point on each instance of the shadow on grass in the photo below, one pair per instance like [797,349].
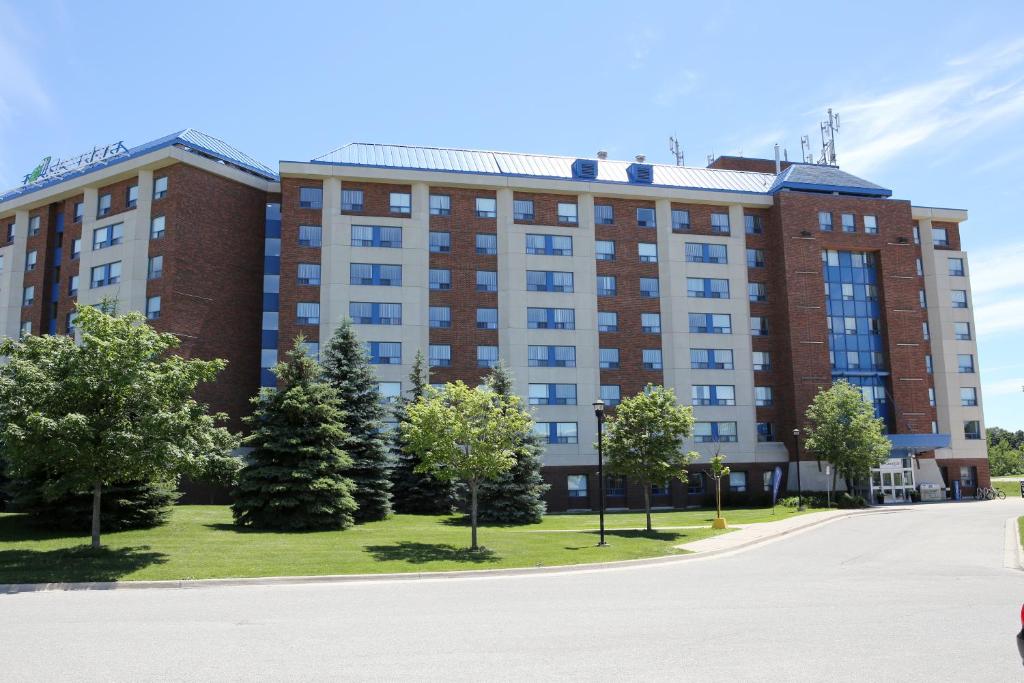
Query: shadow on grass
[661,536]
[80,563]
[420,553]
[463,521]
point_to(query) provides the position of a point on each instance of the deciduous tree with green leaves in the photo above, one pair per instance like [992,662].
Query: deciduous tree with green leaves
[644,439]
[843,430]
[717,471]
[466,434]
[116,407]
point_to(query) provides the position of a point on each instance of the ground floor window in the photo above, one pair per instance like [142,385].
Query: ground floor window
[767,479]
[968,476]
[659,489]
[615,486]
[695,484]
[577,485]
[738,482]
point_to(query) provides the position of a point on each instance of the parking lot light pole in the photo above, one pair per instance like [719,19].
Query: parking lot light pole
[599,414]
[799,489]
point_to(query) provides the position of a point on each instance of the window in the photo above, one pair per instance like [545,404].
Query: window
[762,360]
[351,200]
[310,235]
[558,432]
[918,267]
[307,313]
[738,482]
[931,396]
[440,317]
[440,242]
[76,248]
[753,225]
[711,359]
[922,299]
[940,237]
[607,321]
[376,236]
[652,359]
[30,260]
[711,432]
[956,267]
[965,363]
[720,223]
[551,356]
[680,220]
[968,396]
[849,223]
[611,394]
[73,285]
[702,252]
[758,326]
[549,281]
[577,485]
[713,395]
[390,392]
[825,221]
[928,363]
[439,355]
[486,207]
[551,245]
[552,394]
[103,209]
[649,288]
[486,244]
[645,218]
[917,234]
[925,331]
[522,209]
[763,397]
[609,359]
[309,274]
[870,225]
[106,274]
[79,212]
[26,328]
[568,213]
[604,250]
[152,308]
[487,281]
[707,288]
[366,313]
[959,298]
[755,258]
[385,353]
[487,318]
[551,318]
[604,214]
[650,322]
[757,291]
[962,331]
[968,473]
[311,197]
[710,323]
[648,252]
[160,188]
[606,285]
[155,271]
[766,433]
[695,485]
[132,198]
[486,356]
[440,205]
[69,322]
[441,278]
[107,236]
[400,202]
[156,228]
[28,296]
[972,429]
[382,275]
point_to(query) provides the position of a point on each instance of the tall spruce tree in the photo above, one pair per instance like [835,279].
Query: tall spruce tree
[418,493]
[517,496]
[347,368]
[296,477]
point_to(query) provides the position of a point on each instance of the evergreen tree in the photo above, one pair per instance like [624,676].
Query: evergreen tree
[347,369]
[418,493]
[516,496]
[296,476]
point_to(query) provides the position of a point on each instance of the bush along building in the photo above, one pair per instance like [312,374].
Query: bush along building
[746,287]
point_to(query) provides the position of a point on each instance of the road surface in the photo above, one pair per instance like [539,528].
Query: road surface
[911,594]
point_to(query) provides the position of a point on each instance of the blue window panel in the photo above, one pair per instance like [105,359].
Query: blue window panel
[551,318]
[552,356]
[703,252]
[384,353]
[271,301]
[272,229]
[272,265]
[268,339]
[379,274]
[551,245]
[549,281]
[267,378]
[376,236]
[367,313]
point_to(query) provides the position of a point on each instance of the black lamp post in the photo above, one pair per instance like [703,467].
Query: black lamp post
[799,488]
[599,414]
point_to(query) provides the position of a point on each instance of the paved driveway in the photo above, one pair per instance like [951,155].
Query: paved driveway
[913,594]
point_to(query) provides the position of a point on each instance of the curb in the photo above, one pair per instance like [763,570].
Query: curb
[12,588]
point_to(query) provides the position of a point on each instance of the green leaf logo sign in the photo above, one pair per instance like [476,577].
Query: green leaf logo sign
[38,171]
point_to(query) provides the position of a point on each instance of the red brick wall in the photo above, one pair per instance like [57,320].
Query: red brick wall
[700,218]
[746,164]
[376,197]
[292,216]
[118,196]
[40,278]
[545,207]
[69,267]
[952,234]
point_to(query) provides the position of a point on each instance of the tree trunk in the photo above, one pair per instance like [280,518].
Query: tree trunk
[718,497]
[647,503]
[835,477]
[472,512]
[97,491]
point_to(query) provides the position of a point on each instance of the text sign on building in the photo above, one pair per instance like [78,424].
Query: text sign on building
[50,168]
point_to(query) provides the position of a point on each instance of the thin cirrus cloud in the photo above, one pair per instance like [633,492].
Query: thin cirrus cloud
[996,279]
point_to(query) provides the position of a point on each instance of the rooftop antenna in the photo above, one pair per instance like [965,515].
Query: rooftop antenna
[676,150]
[711,158]
[805,150]
[828,139]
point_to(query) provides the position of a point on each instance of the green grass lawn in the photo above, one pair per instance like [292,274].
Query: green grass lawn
[1010,487]
[199,542]
[1020,528]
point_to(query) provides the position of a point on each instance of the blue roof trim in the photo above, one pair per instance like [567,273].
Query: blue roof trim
[191,138]
[812,187]
[923,442]
[816,178]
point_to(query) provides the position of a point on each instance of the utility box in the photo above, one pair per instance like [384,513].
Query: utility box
[932,492]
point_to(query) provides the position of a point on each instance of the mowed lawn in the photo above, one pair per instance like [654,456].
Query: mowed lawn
[200,542]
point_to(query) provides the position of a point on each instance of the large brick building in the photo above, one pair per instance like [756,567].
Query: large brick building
[745,286]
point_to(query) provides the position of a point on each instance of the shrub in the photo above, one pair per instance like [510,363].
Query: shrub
[848,501]
[811,500]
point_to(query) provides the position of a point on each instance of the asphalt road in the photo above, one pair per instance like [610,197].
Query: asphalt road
[918,594]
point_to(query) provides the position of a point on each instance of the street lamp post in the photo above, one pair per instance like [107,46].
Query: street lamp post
[799,487]
[599,414]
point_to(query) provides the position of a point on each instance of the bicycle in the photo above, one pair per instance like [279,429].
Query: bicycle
[983,493]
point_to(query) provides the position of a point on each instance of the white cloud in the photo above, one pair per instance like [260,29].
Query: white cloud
[1004,315]
[1003,387]
[997,268]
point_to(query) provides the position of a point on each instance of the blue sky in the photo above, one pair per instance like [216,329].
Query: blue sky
[931,95]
